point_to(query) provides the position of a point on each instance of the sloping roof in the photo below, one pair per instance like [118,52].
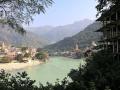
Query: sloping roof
[114,23]
[110,39]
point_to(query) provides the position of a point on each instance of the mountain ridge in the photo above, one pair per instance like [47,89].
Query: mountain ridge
[30,39]
[84,38]
[55,34]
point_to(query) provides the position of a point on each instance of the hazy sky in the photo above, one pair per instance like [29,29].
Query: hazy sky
[65,12]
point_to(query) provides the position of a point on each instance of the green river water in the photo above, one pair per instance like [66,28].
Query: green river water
[55,68]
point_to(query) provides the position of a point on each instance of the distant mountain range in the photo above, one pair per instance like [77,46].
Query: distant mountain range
[42,36]
[83,38]
[30,39]
[55,34]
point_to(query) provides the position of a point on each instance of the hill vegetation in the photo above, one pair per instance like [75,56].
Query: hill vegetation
[29,39]
[84,38]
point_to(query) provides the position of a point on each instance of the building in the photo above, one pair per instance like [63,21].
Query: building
[111,30]
[31,51]
[76,53]
[76,48]
[2,45]
[11,52]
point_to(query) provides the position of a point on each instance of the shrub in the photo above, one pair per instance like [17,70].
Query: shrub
[40,56]
[27,55]
[19,57]
[20,81]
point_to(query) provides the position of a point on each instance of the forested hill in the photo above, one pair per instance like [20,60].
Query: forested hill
[30,39]
[84,38]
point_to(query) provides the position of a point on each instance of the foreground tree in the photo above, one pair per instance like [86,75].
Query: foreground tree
[100,73]
[103,5]
[16,12]
[20,81]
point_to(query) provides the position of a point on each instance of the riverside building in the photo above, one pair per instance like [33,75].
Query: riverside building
[111,30]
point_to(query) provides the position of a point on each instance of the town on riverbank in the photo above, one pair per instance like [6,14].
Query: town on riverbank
[77,53]
[20,57]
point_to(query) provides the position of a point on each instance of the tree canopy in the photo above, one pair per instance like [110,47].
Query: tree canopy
[16,12]
[104,4]
[41,55]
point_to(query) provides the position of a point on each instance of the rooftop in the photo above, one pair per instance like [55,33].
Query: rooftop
[111,24]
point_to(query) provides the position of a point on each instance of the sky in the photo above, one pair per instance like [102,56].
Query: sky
[64,12]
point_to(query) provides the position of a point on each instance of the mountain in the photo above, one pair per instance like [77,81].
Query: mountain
[83,38]
[39,30]
[29,39]
[55,34]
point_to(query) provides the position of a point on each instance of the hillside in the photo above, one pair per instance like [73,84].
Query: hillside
[55,34]
[30,39]
[84,38]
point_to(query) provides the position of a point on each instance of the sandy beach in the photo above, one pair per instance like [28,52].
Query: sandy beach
[16,66]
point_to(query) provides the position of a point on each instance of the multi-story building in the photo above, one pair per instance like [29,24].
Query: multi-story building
[111,30]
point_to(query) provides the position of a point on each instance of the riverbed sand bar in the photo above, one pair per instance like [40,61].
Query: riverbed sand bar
[16,66]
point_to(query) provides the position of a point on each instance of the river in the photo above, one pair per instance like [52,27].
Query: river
[55,68]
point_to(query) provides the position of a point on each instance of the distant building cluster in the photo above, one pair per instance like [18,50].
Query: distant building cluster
[12,52]
[77,53]
[73,53]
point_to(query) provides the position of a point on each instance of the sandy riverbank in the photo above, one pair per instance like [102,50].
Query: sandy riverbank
[16,66]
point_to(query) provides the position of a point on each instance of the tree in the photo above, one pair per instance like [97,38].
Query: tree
[41,56]
[105,3]
[27,55]
[20,81]
[101,72]
[19,57]
[23,49]
[16,12]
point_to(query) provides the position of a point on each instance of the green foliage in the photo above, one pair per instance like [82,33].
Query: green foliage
[103,3]
[100,73]
[20,81]
[16,12]
[27,55]
[40,56]
[5,60]
[23,49]
[19,57]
